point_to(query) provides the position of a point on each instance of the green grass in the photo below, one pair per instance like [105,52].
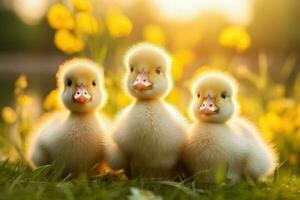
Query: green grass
[17,182]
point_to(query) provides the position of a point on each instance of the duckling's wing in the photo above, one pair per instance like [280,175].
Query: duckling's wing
[247,129]
[262,158]
[37,152]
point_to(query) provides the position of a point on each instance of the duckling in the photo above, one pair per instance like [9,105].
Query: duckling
[75,138]
[150,133]
[220,139]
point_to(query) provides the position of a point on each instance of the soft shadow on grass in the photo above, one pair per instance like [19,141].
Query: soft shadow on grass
[44,183]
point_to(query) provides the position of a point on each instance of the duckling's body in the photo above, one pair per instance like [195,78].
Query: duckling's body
[151,133]
[229,145]
[74,139]
[220,141]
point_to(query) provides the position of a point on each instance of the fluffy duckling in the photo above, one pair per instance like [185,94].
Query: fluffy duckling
[150,133]
[219,138]
[75,139]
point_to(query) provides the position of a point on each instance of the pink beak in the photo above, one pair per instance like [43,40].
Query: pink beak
[81,95]
[142,82]
[208,107]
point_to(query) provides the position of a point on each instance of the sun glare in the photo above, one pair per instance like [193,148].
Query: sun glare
[236,11]
[30,11]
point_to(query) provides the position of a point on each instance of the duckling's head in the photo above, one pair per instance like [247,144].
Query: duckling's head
[215,98]
[81,85]
[148,71]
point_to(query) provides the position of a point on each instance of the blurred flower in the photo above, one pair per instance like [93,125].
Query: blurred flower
[118,24]
[122,99]
[181,59]
[235,37]
[86,23]
[23,100]
[21,82]
[138,194]
[174,96]
[9,115]
[52,101]
[153,33]
[269,123]
[59,17]
[82,5]
[68,42]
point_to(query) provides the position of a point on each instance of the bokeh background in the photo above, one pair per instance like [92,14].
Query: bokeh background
[257,42]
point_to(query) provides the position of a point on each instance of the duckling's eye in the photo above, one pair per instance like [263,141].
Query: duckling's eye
[223,95]
[158,70]
[69,82]
[198,95]
[94,83]
[131,68]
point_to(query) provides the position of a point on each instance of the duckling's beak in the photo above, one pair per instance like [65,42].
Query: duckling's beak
[142,82]
[81,95]
[208,106]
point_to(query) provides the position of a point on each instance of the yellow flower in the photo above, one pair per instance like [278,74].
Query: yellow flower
[122,99]
[235,37]
[174,96]
[9,115]
[82,5]
[281,105]
[68,42]
[267,123]
[52,101]
[181,59]
[59,17]
[24,100]
[153,33]
[118,24]
[86,23]
[21,82]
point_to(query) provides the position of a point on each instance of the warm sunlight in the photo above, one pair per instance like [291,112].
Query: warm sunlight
[236,11]
[149,99]
[30,11]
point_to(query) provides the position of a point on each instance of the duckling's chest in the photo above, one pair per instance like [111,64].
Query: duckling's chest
[215,142]
[151,127]
[77,140]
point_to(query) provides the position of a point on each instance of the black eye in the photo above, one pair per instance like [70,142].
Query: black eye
[131,68]
[158,70]
[223,95]
[69,82]
[94,83]
[198,95]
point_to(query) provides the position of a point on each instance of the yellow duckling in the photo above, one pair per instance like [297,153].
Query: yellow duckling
[221,139]
[150,133]
[76,138]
